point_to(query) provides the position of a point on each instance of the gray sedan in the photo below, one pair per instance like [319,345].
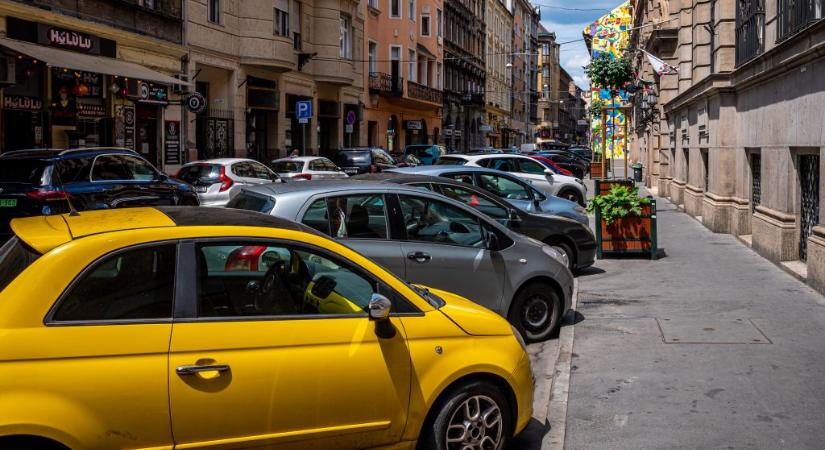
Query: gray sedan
[509,187]
[430,239]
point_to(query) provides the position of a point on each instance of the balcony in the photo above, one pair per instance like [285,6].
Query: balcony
[424,93]
[383,83]
[473,99]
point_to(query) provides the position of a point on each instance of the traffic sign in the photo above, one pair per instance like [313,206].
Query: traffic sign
[303,109]
[350,117]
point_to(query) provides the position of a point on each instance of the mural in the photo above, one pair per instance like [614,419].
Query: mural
[610,34]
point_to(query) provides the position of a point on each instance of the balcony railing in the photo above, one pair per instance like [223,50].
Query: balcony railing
[384,83]
[425,93]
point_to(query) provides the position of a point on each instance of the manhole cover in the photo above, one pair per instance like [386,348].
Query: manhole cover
[710,331]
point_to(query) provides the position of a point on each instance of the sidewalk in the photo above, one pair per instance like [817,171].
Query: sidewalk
[710,347]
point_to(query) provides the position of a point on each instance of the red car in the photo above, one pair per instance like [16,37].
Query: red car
[551,165]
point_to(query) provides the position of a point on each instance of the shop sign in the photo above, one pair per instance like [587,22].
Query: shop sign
[448,132]
[89,84]
[90,111]
[20,102]
[348,128]
[414,125]
[68,39]
[195,102]
[152,94]
[485,128]
[457,133]
[171,141]
[125,126]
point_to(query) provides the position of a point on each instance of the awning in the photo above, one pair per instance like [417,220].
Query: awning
[87,63]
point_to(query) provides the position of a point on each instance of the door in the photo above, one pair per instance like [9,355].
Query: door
[536,174]
[361,222]
[147,128]
[125,180]
[515,192]
[289,361]
[809,202]
[444,248]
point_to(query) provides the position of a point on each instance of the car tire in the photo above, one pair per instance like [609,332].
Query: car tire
[536,312]
[566,251]
[572,195]
[460,415]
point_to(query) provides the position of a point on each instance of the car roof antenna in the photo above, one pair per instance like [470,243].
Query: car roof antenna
[72,211]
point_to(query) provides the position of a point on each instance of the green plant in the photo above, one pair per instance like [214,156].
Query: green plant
[607,72]
[595,108]
[619,202]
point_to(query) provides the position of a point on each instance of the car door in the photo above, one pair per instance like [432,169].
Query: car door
[291,362]
[444,248]
[513,190]
[359,221]
[155,185]
[115,185]
[536,174]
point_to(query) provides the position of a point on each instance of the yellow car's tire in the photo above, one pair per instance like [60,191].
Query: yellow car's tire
[473,414]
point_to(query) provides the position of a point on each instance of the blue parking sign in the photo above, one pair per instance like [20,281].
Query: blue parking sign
[303,109]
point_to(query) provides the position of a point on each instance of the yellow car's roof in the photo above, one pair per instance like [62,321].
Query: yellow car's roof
[44,233]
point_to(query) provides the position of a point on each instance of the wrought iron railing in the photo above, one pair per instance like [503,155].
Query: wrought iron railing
[809,201]
[750,29]
[384,83]
[794,15]
[425,93]
[756,180]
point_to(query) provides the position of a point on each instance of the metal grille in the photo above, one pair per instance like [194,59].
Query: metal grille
[809,214]
[215,131]
[750,29]
[756,181]
[794,15]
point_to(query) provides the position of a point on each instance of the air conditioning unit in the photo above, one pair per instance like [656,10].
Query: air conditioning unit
[182,88]
[7,71]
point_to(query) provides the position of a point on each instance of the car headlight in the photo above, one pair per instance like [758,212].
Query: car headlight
[520,339]
[551,252]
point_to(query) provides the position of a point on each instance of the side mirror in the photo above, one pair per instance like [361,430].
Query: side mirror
[549,175]
[513,216]
[491,241]
[379,307]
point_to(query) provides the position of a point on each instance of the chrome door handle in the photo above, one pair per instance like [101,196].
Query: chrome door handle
[193,369]
[419,256]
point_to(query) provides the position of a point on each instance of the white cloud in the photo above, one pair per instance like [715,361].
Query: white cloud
[573,55]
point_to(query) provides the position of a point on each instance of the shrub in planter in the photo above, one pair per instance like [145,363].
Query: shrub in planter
[626,222]
[621,201]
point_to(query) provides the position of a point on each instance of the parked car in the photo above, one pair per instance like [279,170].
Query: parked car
[524,167]
[582,152]
[218,180]
[528,148]
[427,154]
[508,187]
[567,161]
[363,160]
[572,239]
[550,164]
[429,239]
[53,181]
[307,168]
[298,334]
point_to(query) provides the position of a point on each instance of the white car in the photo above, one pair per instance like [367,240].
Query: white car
[569,188]
[218,180]
[307,168]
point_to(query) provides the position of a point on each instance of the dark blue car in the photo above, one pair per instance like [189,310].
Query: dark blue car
[45,182]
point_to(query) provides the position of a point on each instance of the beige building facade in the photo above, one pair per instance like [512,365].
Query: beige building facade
[254,60]
[499,18]
[548,83]
[736,136]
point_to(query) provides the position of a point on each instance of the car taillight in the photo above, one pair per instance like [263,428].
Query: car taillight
[226,182]
[244,259]
[302,176]
[46,194]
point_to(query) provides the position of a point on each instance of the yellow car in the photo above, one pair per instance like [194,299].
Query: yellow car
[208,328]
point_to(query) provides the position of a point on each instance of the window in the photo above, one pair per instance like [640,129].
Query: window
[122,167]
[14,258]
[430,220]
[411,13]
[281,22]
[474,200]
[317,165]
[346,37]
[360,216]
[135,284]
[411,74]
[395,8]
[71,170]
[792,16]
[262,172]
[252,202]
[439,81]
[503,164]
[243,169]
[531,167]
[262,279]
[214,11]
[373,57]
[395,66]
[296,25]
[439,30]
[750,29]
[504,187]
[425,25]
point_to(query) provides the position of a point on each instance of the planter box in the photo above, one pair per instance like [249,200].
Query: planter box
[631,235]
[604,186]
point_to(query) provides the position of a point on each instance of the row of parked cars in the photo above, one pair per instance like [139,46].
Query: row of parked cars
[310,307]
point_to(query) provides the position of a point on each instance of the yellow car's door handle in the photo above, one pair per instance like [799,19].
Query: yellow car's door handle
[194,369]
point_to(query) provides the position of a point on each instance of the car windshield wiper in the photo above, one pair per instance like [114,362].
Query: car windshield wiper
[434,300]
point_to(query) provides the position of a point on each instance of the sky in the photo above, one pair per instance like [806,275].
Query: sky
[568,25]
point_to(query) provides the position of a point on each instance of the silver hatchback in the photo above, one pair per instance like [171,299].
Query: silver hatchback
[218,180]
[430,239]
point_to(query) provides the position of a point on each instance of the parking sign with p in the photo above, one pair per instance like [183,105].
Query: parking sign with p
[303,110]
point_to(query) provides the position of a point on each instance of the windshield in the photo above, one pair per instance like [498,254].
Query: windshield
[22,171]
[14,258]
[447,161]
[353,157]
[251,202]
[199,172]
[288,166]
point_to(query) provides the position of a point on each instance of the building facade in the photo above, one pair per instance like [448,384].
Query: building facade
[404,77]
[252,66]
[464,59]
[499,19]
[97,73]
[735,136]
[549,70]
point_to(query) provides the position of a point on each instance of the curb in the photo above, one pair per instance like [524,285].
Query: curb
[557,408]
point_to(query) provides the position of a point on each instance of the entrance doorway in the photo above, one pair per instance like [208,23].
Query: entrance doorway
[146,132]
[24,129]
[809,200]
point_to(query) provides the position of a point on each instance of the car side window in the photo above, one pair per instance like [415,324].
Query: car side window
[429,220]
[110,168]
[135,284]
[503,164]
[361,216]
[243,169]
[261,172]
[74,170]
[462,177]
[504,188]
[474,200]
[244,279]
[531,167]
[316,164]
[329,166]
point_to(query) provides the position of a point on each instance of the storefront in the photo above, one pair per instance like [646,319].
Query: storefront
[262,104]
[70,91]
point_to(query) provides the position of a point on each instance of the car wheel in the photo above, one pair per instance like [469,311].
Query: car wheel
[565,250]
[536,312]
[573,196]
[474,416]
